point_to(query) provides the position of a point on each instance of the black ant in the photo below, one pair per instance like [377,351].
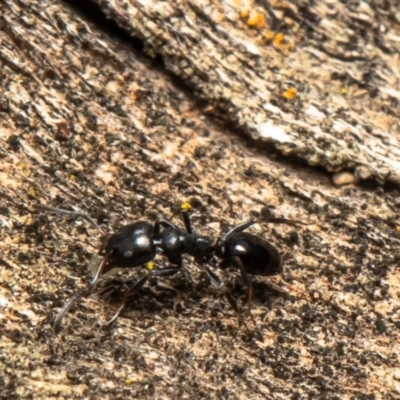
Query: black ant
[136,245]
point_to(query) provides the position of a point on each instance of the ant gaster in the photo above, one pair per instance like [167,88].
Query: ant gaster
[136,244]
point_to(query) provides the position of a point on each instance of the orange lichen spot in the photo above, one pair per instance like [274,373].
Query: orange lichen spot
[252,21]
[343,91]
[261,21]
[244,13]
[278,39]
[256,20]
[290,93]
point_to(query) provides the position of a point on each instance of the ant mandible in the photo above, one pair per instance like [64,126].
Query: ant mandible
[136,245]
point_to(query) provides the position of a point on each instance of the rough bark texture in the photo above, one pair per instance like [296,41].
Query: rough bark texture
[317,79]
[87,122]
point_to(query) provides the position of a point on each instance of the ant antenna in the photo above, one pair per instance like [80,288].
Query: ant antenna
[68,212]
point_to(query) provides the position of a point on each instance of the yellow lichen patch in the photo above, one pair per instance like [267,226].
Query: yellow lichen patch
[256,20]
[149,266]
[290,93]
[32,191]
[16,78]
[186,206]
[281,44]
[343,91]
[24,169]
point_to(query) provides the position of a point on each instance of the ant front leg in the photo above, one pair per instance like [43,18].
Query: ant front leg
[169,271]
[68,212]
[101,269]
[58,321]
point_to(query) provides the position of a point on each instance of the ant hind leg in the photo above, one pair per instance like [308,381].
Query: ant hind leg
[221,285]
[249,285]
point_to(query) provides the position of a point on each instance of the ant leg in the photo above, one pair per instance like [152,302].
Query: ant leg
[167,224]
[58,321]
[247,282]
[186,221]
[244,225]
[169,271]
[221,285]
[101,269]
[134,288]
[161,222]
[68,212]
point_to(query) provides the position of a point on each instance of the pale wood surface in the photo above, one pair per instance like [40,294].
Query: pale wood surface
[87,121]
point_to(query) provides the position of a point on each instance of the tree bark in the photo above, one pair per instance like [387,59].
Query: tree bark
[89,123]
[319,81]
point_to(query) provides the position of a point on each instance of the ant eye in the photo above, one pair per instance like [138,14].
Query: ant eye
[128,254]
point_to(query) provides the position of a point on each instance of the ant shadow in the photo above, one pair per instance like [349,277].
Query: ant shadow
[183,294]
